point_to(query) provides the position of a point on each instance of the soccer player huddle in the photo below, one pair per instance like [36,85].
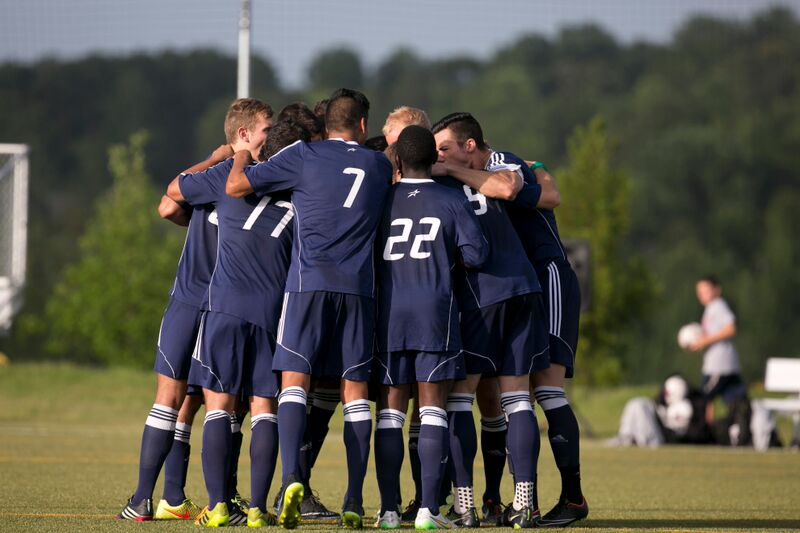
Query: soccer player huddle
[425,268]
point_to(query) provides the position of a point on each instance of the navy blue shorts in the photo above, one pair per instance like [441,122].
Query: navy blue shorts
[729,387]
[506,339]
[176,339]
[235,357]
[412,366]
[562,302]
[326,334]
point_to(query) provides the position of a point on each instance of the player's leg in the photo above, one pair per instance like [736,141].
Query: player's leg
[215,455]
[291,427]
[263,458]
[463,449]
[433,451]
[235,500]
[493,447]
[357,431]
[174,504]
[410,512]
[391,406]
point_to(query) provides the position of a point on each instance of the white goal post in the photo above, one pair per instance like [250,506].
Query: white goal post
[13,229]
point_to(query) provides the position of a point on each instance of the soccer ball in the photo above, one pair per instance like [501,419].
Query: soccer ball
[689,334]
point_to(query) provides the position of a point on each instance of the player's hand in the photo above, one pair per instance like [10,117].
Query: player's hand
[223,152]
[439,169]
[243,156]
[698,345]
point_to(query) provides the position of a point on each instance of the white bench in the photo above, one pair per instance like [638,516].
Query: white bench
[783,375]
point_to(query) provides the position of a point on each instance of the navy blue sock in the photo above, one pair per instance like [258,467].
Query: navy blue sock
[493,450]
[236,450]
[322,408]
[263,456]
[177,465]
[523,434]
[389,456]
[433,447]
[291,427]
[564,437]
[463,438]
[357,430]
[217,443]
[157,437]
[413,458]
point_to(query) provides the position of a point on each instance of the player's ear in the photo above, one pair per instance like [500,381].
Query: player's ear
[243,134]
[470,145]
[362,126]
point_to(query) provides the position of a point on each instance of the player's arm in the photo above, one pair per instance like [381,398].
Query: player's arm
[500,184]
[238,186]
[176,213]
[470,239]
[726,333]
[549,198]
[281,172]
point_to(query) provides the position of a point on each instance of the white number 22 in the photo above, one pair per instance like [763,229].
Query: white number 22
[415,252]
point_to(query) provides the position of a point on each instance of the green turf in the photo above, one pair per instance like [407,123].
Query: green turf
[69,440]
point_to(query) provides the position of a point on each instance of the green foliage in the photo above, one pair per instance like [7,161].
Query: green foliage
[596,199]
[107,306]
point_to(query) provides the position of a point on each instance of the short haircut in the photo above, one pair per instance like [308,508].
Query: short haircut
[345,110]
[712,279]
[377,143]
[407,116]
[302,114]
[464,126]
[416,148]
[244,113]
[282,135]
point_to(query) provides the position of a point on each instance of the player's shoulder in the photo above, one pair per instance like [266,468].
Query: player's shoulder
[503,157]
[430,189]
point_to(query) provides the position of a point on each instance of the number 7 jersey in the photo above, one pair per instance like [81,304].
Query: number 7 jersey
[338,192]
[427,229]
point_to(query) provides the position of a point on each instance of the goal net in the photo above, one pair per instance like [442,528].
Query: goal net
[13,229]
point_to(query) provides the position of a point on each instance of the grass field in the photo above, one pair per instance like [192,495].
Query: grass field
[69,440]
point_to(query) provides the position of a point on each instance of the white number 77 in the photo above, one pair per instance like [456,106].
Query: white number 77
[359,174]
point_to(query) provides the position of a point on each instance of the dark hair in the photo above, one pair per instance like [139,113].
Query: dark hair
[302,114]
[464,126]
[377,143]
[282,135]
[712,279]
[416,148]
[345,110]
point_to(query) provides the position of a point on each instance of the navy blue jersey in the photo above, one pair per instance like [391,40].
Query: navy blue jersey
[426,230]
[537,228]
[197,258]
[338,192]
[507,271]
[255,239]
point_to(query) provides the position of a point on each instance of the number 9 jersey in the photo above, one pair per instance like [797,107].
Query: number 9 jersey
[426,230]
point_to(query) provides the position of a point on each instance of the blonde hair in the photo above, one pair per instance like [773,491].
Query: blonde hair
[244,113]
[407,116]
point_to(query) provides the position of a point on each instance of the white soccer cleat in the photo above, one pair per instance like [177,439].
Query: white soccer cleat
[389,520]
[427,521]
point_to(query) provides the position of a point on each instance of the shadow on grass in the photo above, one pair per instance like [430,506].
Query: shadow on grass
[694,523]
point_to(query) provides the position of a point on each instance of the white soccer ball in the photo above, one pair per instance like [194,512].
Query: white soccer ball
[679,414]
[689,334]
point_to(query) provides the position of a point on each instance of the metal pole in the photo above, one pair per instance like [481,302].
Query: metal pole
[243,78]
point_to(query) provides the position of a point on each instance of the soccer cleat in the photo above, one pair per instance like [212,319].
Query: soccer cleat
[409,514]
[289,516]
[565,513]
[492,513]
[141,512]
[216,517]
[187,510]
[467,519]
[255,518]
[525,518]
[236,517]
[352,515]
[389,520]
[240,502]
[313,509]
[426,521]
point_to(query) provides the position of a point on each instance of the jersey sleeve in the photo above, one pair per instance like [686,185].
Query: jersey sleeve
[528,196]
[204,187]
[281,172]
[723,316]
[469,237]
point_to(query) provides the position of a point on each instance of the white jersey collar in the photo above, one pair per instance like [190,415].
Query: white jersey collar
[342,140]
[415,180]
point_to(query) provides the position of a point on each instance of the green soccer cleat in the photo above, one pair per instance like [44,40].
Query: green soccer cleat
[289,516]
[256,518]
[352,515]
[187,510]
[427,521]
[389,520]
[240,502]
[216,517]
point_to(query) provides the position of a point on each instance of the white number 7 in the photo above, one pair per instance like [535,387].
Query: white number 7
[359,174]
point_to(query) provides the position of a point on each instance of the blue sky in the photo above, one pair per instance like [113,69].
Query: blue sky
[291,33]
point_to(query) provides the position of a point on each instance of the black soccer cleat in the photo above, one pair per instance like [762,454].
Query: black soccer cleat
[525,518]
[409,514]
[467,519]
[141,512]
[565,513]
[492,513]
[311,508]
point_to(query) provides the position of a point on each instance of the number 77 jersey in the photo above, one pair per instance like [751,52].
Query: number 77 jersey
[338,192]
[426,230]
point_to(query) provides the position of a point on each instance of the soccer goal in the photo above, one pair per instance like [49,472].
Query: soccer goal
[13,229]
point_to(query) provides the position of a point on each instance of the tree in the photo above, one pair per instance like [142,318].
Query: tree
[596,208]
[107,306]
[332,69]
